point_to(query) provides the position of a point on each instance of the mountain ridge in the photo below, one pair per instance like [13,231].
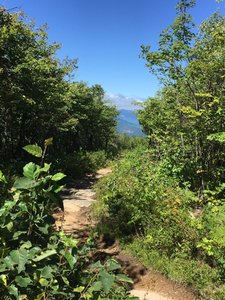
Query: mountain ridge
[127,123]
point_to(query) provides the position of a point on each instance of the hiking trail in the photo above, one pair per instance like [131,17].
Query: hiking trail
[148,285]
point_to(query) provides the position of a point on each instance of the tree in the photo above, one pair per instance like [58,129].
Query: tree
[32,83]
[37,98]
[190,63]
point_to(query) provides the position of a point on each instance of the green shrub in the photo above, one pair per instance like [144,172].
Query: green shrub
[39,263]
[212,242]
[138,195]
[80,163]
[142,202]
[203,278]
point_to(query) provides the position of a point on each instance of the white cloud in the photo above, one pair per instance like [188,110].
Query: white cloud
[121,101]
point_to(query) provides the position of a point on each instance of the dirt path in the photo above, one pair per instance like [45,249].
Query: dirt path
[148,285]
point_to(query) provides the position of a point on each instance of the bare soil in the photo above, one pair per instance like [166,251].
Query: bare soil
[148,285]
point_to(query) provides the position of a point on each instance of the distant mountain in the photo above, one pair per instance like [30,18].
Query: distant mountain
[123,102]
[128,123]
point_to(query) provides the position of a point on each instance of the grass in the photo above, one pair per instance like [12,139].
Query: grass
[204,279]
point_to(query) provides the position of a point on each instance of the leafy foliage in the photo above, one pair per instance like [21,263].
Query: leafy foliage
[185,121]
[163,223]
[37,100]
[168,200]
[38,262]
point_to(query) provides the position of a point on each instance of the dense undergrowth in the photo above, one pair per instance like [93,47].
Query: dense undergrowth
[167,202]
[164,223]
[79,163]
[38,262]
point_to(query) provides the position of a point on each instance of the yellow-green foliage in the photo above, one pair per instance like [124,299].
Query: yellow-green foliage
[158,221]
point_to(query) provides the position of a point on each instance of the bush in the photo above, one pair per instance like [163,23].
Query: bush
[80,163]
[203,278]
[36,261]
[142,202]
[138,195]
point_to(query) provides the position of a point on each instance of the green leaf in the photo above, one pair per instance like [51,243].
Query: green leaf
[33,150]
[124,278]
[44,229]
[46,272]
[2,177]
[26,245]
[3,279]
[106,280]
[95,287]
[112,265]
[39,170]
[22,206]
[45,255]
[45,168]
[13,291]
[7,208]
[70,259]
[48,142]
[58,176]
[20,258]
[17,234]
[25,183]
[96,265]
[57,189]
[79,289]
[65,280]
[219,137]
[40,296]
[43,282]
[9,226]
[33,252]
[23,281]
[29,170]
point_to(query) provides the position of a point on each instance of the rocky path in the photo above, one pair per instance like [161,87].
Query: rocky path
[148,285]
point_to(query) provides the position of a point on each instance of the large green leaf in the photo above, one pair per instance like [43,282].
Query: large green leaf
[65,280]
[25,183]
[45,255]
[17,257]
[18,233]
[70,259]
[23,281]
[39,170]
[106,280]
[9,226]
[46,272]
[33,150]
[29,170]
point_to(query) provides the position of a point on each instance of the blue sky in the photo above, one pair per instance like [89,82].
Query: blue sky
[105,36]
